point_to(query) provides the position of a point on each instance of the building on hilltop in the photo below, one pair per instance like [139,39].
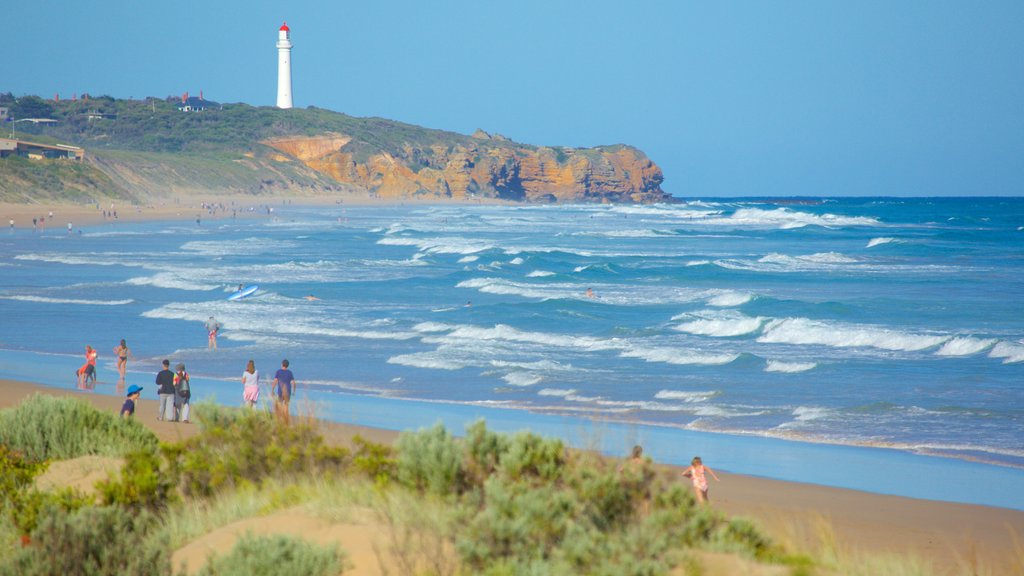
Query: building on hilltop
[4,113]
[36,151]
[193,104]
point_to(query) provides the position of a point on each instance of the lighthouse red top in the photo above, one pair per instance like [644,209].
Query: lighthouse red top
[285,27]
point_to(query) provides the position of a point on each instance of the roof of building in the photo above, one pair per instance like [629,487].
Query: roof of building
[285,27]
[197,102]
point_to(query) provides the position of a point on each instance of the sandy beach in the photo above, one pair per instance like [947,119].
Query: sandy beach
[955,537]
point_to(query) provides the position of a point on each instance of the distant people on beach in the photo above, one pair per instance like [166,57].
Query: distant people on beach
[128,408]
[87,370]
[700,484]
[635,460]
[182,393]
[165,390]
[212,328]
[311,298]
[251,384]
[123,353]
[590,293]
[284,385]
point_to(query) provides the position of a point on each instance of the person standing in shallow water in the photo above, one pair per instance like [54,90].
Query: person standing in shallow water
[212,328]
[122,353]
[700,484]
[250,384]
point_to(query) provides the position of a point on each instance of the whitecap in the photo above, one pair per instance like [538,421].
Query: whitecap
[171,280]
[556,392]
[516,261]
[1010,353]
[697,396]
[805,331]
[730,298]
[789,367]
[965,346]
[467,259]
[677,356]
[47,300]
[539,274]
[522,378]
[721,325]
[882,240]
[429,360]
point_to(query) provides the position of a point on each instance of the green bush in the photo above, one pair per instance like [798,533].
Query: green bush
[375,460]
[430,460]
[246,447]
[142,484]
[274,555]
[30,505]
[91,541]
[49,427]
[16,472]
[529,456]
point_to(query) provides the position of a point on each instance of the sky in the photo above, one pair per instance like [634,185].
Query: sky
[730,98]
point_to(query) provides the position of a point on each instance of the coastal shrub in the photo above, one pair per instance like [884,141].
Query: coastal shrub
[274,555]
[142,484]
[28,506]
[530,456]
[483,450]
[91,541]
[16,472]
[374,460]
[430,460]
[247,448]
[45,427]
[742,536]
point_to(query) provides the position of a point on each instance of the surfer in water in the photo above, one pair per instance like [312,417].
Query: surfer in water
[311,298]
[590,293]
[212,328]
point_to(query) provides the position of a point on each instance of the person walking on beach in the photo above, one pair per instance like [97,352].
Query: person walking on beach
[122,353]
[88,370]
[165,389]
[284,385]
[700,484]
[182,393]
[212,328]
[250,384]
[128,408]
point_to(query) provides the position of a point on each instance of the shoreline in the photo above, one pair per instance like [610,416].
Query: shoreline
[949,534]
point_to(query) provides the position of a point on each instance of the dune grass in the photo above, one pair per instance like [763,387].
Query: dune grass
[47,427]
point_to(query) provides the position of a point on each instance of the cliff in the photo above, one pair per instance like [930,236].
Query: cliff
[466,171]
[145,148]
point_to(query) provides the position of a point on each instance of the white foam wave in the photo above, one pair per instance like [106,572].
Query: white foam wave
[516,261]
[808,413]
[539,274]
[805,331]
[789,367]
[819,258]
[698,263]
[626,233]
[965,346]
[785,218]
[701,396]
[720,325]
[253,245]
[47,300]
[468,259]
[443,245]
[881,240]
[677,356]
[169,280]
[110,259]
[433,327]
[1011,353]
[556,392]
[522,378]
[730,298]
[429,360]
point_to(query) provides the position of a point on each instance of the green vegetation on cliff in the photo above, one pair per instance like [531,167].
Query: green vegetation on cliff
[145,148]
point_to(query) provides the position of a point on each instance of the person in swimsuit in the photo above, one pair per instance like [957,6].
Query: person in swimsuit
[123,354]
[212,328]
[88,369]
[700,484]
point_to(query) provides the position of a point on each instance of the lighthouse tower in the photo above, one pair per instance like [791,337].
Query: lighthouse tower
[284,67]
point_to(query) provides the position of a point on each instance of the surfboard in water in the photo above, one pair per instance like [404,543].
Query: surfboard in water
[247,291]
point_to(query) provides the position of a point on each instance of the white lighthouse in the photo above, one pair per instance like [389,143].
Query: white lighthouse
[284,67]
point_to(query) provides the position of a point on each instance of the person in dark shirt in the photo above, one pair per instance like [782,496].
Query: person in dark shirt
[128,408]
[284,385]
[165,389]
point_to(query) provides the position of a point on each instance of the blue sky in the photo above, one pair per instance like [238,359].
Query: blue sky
[772,98]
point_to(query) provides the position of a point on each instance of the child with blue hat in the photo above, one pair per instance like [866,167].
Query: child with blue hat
[128,409]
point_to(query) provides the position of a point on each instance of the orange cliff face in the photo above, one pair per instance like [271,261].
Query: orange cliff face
[482,167]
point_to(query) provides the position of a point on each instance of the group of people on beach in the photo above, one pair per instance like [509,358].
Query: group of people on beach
[696,472]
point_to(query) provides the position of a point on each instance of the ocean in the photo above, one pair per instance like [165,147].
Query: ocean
[893,327]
